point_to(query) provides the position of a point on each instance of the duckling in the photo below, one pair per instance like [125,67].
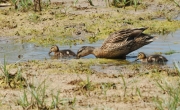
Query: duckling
[152,58]
[61,53]
[118,44]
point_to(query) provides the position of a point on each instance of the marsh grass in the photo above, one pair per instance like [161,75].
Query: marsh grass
[5,71]
[172,100]
[37,94]
[176,2]
[23,5]
[23,100]
[55,100]
[124,85]
[176,66]
[11,80]
[87,85]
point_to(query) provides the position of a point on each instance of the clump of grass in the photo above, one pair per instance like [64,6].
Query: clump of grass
[87,85]
[38,95]
[124,85]
[177,68]
[173,99]
[55,101]
[11,80]
[171,102]
[23,5]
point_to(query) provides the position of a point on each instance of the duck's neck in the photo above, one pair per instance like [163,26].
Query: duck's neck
[90,50]
[94,51]
[57,49]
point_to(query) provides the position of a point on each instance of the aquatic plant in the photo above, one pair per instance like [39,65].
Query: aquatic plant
[170,52]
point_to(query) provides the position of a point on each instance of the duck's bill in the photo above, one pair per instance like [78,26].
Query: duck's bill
[49,52]
[136,59]
[77,57]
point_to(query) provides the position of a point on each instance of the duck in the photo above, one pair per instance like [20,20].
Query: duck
[61,53]
[152,58]
[118,44]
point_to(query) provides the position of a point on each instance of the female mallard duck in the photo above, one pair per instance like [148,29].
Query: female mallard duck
[61,53]
[118,44]
[152,58]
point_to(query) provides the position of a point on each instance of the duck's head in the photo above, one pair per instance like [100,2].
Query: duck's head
[84,51]
[140,56]
[54,48]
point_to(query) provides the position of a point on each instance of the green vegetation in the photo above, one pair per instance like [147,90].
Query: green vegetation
[87,83]
[176,3]
[57,23]
[9,80]
[170,52]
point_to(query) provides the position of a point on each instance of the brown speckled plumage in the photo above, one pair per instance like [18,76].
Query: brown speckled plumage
[61,53]
[118,44]
[152,58]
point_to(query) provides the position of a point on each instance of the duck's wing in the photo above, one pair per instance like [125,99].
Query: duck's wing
[67,52]
[122,36]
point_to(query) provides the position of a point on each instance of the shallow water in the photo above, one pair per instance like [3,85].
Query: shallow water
[28,51]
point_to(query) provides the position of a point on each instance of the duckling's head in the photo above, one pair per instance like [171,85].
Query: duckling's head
[141,56]
[54,48]
[84,51]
